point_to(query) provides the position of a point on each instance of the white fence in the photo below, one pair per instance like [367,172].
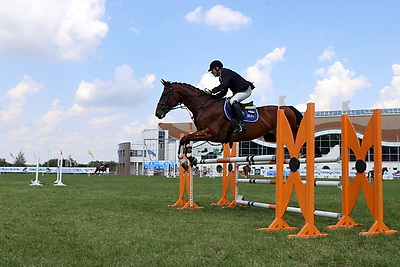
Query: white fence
[65,170]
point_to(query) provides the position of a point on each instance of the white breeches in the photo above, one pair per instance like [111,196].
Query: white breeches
[240,96]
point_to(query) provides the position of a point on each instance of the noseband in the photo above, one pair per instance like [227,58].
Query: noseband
[166,107]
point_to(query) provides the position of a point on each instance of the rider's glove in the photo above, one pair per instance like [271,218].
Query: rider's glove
[208,91]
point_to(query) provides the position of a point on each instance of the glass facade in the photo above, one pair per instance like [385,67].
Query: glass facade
[161,145]
[249,148]
[356,112]
[324,143]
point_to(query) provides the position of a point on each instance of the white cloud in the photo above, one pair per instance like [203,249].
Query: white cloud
[104,122]
[223,18]
[337,85]
[195,16]
[208,81]
[124,90]
[134,30]
[17,95]
[396,69]
[65,29]
[389,96]
[133,130]
[260,74]
[54,117]
[327,54]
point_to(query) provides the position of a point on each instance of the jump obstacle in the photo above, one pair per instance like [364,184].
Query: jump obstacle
[305,189]
[57,182]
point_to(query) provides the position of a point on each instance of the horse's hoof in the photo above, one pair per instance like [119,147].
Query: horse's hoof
[184,164]
[185,167]
[193,161]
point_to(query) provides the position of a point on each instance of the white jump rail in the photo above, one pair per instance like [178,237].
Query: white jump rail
[263,159]
[327,214]
[268,181]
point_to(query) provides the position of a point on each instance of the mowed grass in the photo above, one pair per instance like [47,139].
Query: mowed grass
[126,221]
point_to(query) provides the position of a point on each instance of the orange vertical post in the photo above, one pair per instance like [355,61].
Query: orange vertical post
[185,182]
[373,194]
[284,189]
[228,176]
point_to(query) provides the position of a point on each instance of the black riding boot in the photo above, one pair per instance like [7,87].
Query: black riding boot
[239,117]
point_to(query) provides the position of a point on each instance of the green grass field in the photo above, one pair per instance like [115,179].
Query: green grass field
[126,221]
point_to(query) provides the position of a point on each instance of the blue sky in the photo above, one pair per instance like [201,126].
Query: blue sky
[84,75]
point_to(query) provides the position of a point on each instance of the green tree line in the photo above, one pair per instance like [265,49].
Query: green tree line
[20,161]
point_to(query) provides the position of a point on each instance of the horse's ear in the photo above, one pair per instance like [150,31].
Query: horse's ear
[165,83]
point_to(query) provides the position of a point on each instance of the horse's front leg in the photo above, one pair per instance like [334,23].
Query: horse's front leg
[183,150]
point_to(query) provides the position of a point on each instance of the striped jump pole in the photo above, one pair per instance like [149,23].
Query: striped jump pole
[321,213]
[263,159]
[249,159]
[268,181]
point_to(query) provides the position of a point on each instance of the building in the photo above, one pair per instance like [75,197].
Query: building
[156,146]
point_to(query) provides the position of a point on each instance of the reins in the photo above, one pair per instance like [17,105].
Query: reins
[185,103]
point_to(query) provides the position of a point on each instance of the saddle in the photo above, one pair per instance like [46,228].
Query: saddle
[250,111]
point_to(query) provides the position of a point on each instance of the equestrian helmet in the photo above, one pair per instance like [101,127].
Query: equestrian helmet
[215,63]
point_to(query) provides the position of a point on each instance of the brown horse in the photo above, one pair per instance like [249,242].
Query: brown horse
[210,120]
[101,169]
[246,171]
[371,173]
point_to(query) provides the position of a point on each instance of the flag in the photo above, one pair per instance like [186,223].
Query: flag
[119,153]
[345,105]
[151,153]
[282,100]
[90,153]
[216,152]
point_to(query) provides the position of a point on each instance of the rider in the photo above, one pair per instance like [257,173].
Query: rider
[240,88]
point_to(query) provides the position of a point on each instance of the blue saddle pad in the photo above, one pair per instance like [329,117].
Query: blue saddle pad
[250,115]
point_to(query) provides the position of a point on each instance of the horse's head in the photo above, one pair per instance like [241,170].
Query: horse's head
[177,94]
[167,100]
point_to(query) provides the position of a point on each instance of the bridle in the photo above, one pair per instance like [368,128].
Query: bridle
[166,107]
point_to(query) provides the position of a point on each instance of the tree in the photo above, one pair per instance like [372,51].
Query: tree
[51,163]
[20,160]
[4,163]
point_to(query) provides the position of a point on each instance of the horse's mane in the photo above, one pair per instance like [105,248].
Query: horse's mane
[188,85]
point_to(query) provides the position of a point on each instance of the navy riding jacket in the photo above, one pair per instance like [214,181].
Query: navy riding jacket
[231,80]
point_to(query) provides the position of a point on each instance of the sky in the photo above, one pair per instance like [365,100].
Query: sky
[79,76]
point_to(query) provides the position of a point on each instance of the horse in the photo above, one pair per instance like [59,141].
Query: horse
[246,171]
[101,169]
[371,173]
[212,124]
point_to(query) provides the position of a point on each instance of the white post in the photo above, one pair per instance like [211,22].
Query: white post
[59,173]
[37,182]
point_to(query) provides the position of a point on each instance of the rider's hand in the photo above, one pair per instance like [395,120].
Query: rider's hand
[208,91]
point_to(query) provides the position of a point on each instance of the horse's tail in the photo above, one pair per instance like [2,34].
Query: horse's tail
[299,117]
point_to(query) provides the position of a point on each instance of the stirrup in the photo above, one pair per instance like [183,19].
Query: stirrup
[240,127]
